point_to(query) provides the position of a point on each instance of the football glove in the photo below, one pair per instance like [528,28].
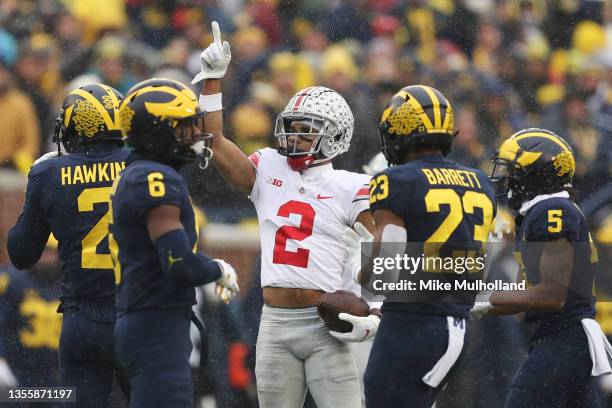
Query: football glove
[44,157]
[214,59]
[481,307]
[7,379]
[364,328]
[226,287]
[353,238]
[501,227]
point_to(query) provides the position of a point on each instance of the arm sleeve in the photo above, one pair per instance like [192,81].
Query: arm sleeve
[27,239]
[183,265]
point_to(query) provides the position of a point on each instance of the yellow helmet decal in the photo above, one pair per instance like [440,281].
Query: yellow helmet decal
[183,105]
[126,114]
[92,112]
[110,100]
[420,111]
[511,151]
[404,120]
[87,119]
[564,163]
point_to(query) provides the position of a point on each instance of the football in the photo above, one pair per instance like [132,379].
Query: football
[341,301]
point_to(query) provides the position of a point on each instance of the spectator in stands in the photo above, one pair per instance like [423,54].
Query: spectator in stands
[20,133]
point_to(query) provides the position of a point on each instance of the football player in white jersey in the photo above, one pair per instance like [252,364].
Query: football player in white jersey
[303,205]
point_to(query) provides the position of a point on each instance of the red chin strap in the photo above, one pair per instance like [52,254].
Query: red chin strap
[300,163]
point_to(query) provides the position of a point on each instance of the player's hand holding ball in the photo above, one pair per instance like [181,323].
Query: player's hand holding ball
[348,317]
[226,287]
[214,59]
[364,328]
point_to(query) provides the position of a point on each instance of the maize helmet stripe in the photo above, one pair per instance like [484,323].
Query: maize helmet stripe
[115,102]
[183,105]
[417,107]
[385,114]
[187,93]
[110,124]
[511,150]
[67,115]
[545,135]
[416,116]
[435,105]
[446,111]
[448,116]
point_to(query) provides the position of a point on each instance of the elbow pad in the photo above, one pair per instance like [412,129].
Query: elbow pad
[181,263]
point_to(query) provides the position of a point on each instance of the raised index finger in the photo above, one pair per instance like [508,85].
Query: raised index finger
[216,33]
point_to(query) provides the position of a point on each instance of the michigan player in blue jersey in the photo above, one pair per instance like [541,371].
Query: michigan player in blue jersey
[554,250]
[30,326]
[68,196]
[423,198]
[154,228]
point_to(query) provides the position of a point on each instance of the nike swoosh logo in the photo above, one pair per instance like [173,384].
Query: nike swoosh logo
[320,197]
[366,334]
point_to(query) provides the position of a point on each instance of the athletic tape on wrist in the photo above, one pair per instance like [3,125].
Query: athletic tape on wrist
[211,103]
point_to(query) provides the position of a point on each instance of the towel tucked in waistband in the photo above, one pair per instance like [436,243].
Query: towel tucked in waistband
[456,335]
[599,347]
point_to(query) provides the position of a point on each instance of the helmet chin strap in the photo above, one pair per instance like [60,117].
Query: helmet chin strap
[301,163]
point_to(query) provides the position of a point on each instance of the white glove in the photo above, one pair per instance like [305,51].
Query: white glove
[44,157]
[501,227]
[226,287]
[214,59]
[481,308]
[353,238]
[364,328]
[7,379]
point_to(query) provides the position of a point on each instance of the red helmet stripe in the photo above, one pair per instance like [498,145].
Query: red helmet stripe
[298,102]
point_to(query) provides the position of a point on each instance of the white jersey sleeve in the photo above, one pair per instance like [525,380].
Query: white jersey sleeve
[361,199]
[254,158]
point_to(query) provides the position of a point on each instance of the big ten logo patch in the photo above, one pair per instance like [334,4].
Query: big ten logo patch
[274,181]
[43,322]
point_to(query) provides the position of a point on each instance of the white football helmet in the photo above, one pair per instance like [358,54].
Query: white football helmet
[331,122]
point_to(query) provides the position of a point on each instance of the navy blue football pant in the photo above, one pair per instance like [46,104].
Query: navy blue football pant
[556,373]
[406,347]
[88,361]
[153,347]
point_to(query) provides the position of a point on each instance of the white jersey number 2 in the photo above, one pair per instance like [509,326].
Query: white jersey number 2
[300,257]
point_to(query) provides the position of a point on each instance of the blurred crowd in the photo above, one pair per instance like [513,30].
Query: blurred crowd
[504,64]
